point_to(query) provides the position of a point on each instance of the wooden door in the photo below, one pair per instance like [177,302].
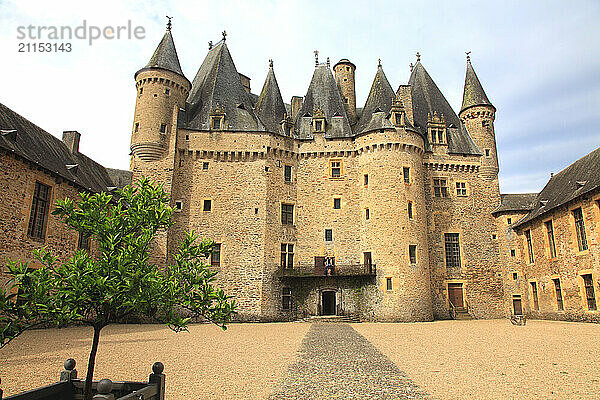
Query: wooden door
[455,295]
[328,301]
[319,265]
[517,307]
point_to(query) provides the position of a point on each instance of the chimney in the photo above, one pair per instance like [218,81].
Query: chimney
[296,106]
[245,82]
[71,140]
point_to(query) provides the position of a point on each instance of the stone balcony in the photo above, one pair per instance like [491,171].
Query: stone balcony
[339,270]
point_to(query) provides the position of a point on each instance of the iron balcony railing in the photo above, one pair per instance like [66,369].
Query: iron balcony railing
[310,270]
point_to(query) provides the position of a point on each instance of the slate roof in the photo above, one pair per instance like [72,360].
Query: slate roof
[323,93]
[270,107]
[579,178]
[473,95]
[427,99]
[165,56]
[34,144]
[515,202]
[379,100]
[218,84]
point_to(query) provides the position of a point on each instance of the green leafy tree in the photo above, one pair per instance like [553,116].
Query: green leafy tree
[118,280]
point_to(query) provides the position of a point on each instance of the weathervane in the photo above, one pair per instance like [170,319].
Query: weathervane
[316,57]
[270,63]
[224,35]
[328,64]
[468,53]
[210,44]
[169,23]
[379,62]
[418,56]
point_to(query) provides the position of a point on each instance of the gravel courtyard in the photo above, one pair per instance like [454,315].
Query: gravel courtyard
[439,360]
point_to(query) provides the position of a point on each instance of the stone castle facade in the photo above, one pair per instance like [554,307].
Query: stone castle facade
[389,212]
[398,195]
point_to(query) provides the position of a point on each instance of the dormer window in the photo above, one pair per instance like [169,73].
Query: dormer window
[318,121]
[318,126]
[436,126]
[398,119]
[216,122]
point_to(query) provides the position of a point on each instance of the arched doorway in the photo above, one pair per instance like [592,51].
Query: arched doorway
[328,302]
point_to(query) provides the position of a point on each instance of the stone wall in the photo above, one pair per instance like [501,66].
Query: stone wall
[568,265]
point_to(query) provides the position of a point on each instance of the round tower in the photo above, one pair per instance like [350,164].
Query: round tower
[344,76]
[478,114]
[395,232]
[161,90]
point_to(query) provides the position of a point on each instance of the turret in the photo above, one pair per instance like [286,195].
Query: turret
[344,77]
[478,114]
[161,90]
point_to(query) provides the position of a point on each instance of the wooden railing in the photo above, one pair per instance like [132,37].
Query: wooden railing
[71,388]
[310,270]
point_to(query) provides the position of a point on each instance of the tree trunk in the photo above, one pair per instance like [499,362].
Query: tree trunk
[87,391]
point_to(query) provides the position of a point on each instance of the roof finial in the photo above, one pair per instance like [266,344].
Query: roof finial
[379,62]
[210,44]
[328,63]
[418,56]
[316,57]
[271,63]
[468,53]
[411,67]
[169,23]
[224,35]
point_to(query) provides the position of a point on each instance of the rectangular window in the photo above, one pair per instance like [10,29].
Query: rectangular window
[207,206]
[452,245]
[335,168]
[205,166]
[406,173]
[580,229]
[286,299]
[412,253]
[461,189]
[410,210]
[440,187]
[388,283]
[287,214]
[551,244]
[534,296]
[39,211]
[529,245]
[337,203]
[487,152]
[515,276]
[559,299]
[167,91]
[509,220]
[328,235]
[178,205]
[216,123]
[287,255]
[318,126]
[137,127]
[588,284]
[215,256]
[366,179]
[398,119]
[367,213]
[287,174]
[84,242]
[163,128]
[513,252]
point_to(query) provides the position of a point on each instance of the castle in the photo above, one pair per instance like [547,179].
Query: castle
[320,207]
[390,212]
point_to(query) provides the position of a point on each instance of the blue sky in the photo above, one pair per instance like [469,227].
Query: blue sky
[537,60]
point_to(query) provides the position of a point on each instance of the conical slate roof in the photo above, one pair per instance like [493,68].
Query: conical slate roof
[165,55]
[427,99]
[217,85]
[270,107]
[474,95]
[379,100]
[323,94]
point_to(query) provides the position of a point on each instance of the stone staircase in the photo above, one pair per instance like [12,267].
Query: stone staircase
[462,315]
[331,318]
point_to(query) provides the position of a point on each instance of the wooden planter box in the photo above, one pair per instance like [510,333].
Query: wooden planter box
[71,388]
